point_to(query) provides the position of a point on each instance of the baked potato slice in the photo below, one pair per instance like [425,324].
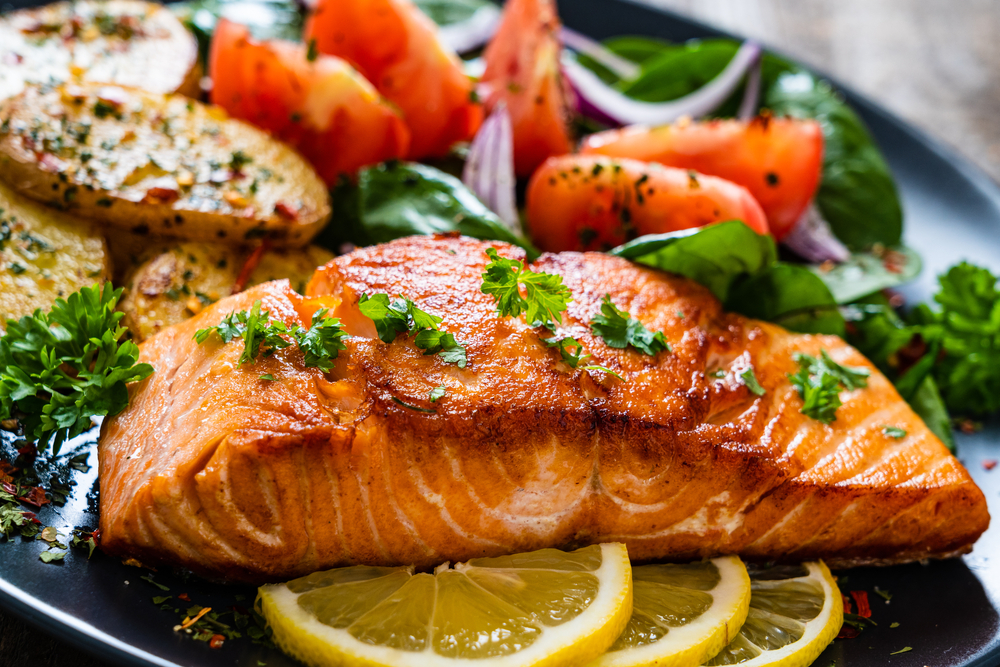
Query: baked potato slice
[125,42]
[44,254]
[158,165]
[178,283]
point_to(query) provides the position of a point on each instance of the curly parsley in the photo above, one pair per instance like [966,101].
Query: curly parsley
[320,344]
[573,359]
[619,330]
[819,382]
[545,296]
[60,369]
[401,316]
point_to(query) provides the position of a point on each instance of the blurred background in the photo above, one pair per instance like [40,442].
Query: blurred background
[935,63]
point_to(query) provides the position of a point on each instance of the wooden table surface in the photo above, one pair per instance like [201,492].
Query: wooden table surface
[935,63]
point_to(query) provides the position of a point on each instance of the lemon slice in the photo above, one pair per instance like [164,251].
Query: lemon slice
[795,612]
[682,614]
[546,607]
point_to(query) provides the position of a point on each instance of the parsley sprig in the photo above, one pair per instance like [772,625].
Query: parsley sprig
[60,369]
[545,297]
[401,316]
[320,343]
[566,345]
[619,330]
[819,382]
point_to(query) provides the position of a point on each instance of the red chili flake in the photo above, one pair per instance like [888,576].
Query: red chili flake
[29,452]
[216,641]
[35,496]
[96,536]
[51,163]
[250,266]
[848,608]
[989,464]
[9,488]
[31,516]
[286,211]
[847,632]
[158,195]
[184,596]
[861,597]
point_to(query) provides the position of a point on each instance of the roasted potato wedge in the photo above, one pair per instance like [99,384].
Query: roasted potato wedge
[44,254]
[158,164]
[125,42]
[178,283]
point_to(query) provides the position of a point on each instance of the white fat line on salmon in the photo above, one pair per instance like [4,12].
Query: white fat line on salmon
[401,516]
[338,511]
[437,500]
[367,505]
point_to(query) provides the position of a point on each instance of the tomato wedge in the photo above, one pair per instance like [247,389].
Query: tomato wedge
[523,71]
[397,48]
[779,160]
[593,202]
[324,108]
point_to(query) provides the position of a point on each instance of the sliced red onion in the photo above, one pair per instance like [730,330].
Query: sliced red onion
[595,94]
[622,67]
[812,239]
[751,94]
[489,167]
[473,32]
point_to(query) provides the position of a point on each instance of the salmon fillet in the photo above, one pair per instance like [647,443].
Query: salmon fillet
[238,478]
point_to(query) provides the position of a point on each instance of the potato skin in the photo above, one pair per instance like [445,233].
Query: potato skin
[124,42]
[44,254]
[176,284]
[158,165]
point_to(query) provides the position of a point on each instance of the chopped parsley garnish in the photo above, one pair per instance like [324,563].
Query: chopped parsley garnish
[819,382]
[545,296]
[60,369]
[321,343]
[750,380]
[239,160]
[619,330]
[401,316]
[437,393]
[905,649]
[898,434]
[312,51]
[573,359]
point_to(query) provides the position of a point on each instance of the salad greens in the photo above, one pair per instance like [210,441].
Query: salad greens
[742,269]
[857,194]
[266,19]
[447,12]
[397,199]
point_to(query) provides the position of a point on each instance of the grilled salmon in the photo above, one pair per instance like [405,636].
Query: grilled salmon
[246,479]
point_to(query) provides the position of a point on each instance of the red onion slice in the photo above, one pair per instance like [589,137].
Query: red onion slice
[473,32]
[489,167]
[626,111]
[812,239]
[622,67]
[751,94]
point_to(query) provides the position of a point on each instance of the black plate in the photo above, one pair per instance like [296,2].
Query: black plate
[946,611]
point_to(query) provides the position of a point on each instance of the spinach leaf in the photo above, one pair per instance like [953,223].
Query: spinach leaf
[857,194]
[789,295]
[715,256]
[866,273]
[399,199]
[741,268]
[447,12]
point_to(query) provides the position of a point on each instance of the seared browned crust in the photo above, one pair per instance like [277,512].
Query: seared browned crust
[234,477]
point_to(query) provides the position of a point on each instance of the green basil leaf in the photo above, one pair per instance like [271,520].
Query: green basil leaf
[398,199]
[715,256]
[866,273]
[789,295]
[857,194]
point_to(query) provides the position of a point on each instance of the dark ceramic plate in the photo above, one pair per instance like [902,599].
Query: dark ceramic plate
[948,612]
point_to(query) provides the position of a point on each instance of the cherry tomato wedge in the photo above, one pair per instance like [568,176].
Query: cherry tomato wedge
[324,108]
[522,70]
[592,202]
[778,160]
[396,47]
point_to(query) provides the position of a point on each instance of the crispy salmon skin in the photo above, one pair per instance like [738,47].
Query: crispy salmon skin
[240,478]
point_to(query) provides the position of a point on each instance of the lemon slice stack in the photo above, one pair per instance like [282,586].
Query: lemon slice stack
[541,608]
